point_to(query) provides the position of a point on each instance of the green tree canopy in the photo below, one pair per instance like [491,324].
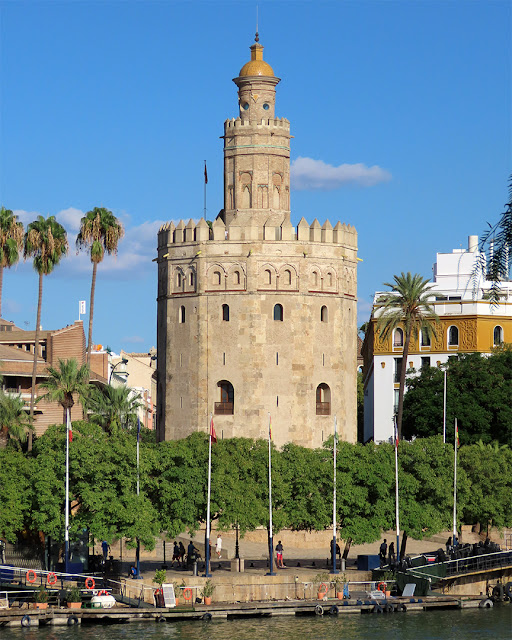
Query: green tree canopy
[479,392]
[15,423]
[66,380]
[114,407]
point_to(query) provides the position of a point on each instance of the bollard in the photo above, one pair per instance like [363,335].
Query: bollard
[194,569]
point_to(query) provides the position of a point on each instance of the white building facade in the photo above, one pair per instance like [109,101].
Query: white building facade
[469,323]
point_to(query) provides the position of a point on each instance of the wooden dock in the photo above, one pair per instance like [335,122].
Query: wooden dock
[15,617]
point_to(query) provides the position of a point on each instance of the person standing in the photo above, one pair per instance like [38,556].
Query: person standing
[105,548]
[279,555]
[391,553]
[383,552]
[218,546]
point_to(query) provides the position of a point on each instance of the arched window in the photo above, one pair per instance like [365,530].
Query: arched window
[178,279]
[329,280]
[497,336]
[425,338]
[287,277]
[226,406]
[278,312]
[453,336]
[268,276]
[225,312]
[182,314]
[236,277]
[323,314]
[191,278]
[314,278]
[323,400]
[216,278]
[398,338]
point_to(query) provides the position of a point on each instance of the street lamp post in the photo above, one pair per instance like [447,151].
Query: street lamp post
[123,362]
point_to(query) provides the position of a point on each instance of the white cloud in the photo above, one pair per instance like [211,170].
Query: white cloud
[136,249]
[309,174]
[70,219]
[133,339]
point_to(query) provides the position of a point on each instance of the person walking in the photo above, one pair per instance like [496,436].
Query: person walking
[182,552]
[218,546]
[279,555]
[176,554]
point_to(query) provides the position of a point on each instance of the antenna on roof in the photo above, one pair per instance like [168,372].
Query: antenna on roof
[257,36]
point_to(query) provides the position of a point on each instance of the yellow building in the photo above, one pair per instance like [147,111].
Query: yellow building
[468,323]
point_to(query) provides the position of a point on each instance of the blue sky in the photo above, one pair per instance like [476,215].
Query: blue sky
[118,104]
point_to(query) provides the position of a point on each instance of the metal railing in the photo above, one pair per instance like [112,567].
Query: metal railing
[471,564]
[323,408]
[224,408]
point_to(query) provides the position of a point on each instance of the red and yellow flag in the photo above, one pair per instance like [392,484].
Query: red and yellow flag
[213,435]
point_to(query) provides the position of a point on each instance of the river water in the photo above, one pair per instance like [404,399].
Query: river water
[464,624]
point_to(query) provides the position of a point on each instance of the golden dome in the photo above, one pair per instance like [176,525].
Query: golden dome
[256,65]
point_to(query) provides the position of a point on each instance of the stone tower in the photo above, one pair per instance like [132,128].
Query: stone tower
[256,317]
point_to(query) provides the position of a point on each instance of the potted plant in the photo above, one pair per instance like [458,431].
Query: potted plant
[207,591]
[41,598]
[339,582]
[323,583]
[74,598]
[159,579]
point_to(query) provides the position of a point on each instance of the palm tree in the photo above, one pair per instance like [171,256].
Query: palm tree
[114,407]
[15,424]
[46,242]
[407,305]
[66,380]
[497,242]
[100,232]
[11,243]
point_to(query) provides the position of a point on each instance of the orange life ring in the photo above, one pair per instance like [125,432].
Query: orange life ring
[89,583]
[51,578]
[189,597]
[382,586]
[103,592]
[323,588]
[29,575]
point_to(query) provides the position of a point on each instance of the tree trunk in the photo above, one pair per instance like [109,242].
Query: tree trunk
[401,388]
[1,285]
[91,312]
[36,349]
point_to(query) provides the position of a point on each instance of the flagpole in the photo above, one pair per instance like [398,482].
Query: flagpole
[66,510]
[270,533]
[444,409]
[334,569]
[397,514]
[205,183]
[207,538]
[455,540]
[138,492]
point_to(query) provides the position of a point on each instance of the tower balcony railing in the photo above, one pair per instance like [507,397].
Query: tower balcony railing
[224,408]
[323,408]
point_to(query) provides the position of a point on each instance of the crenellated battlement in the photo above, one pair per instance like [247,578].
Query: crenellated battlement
[237,123]
[190,232]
